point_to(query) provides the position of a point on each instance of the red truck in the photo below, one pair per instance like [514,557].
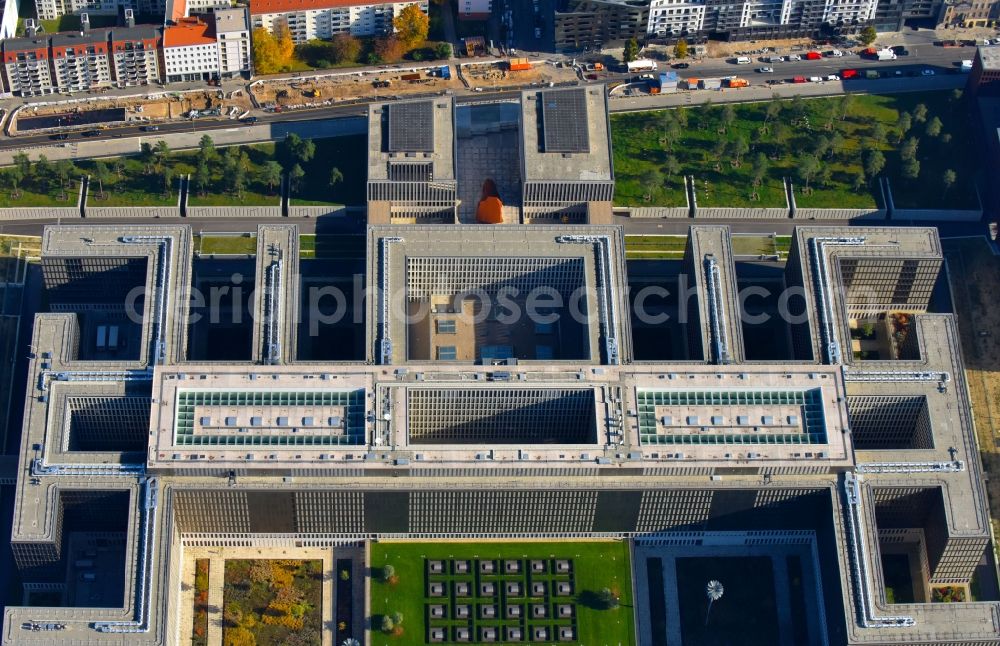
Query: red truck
[848,74]
[798,79]
[813,56]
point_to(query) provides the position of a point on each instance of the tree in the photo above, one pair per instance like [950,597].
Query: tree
[271,174]
[671,166]
[411,26]
[284,45]
[845,103]
[388,49]
[442,51]
[102,174]
[820,145]
[168,175]
[908,150]
[336,177]
[933,128]
[714,592]
[772,111]
[859,182]
[903,123]
[738,148]
[11,179]
[64,169]
[206,149]
[948,179]
[387,624]
[388,571]
[760,166]
[874,163]
[868,35]
[161,150]
[807,168]
[266,58]
[631,50]
[837,142]
[397,617]
[652,180]
[295,177]
[295,149]
[878,133]
[681,117]
[681,49]
[23,163]
[42,172]
[728,116]
[920,113]
[911,169]
[608,599]
[345,48]
[202,177]
[146,155]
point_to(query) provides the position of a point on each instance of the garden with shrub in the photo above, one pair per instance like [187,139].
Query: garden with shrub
[199,630]
[832,149]
[272,602]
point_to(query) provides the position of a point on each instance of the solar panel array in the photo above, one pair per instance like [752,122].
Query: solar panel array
[411,127]
[564,121]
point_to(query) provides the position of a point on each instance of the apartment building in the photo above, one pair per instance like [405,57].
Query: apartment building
[232,35]
[27,71]
[52,9]
[190,51]
[970,13]
[586,24]
[80,61]
[135,58]
[309,19]
[8,18]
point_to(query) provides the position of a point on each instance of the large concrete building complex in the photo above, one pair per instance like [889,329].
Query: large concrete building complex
[453,419]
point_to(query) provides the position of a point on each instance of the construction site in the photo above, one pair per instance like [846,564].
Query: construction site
[517,73]
[319,90]
[114,111]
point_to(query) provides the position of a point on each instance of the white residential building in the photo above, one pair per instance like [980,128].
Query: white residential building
[232,34]
[135,55]
[324,19]
[52,9]
[675,17]
[26,66]
[8,18]
[190,51]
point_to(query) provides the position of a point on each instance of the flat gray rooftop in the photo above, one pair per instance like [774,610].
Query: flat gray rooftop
[412,132]
[565,135]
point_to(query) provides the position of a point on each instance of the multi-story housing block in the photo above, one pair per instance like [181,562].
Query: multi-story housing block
[324,19]
[135,55]
[26,66]
[53,9]
[232,34]
[80,61]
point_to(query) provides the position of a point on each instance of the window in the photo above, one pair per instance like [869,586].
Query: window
[446,353]
[446,326]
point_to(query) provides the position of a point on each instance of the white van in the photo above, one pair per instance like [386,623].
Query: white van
[743,60]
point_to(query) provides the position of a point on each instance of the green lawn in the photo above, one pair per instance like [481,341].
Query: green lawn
[132,183]
[37,198]
[596,565]
[761,245]
[704,147]
[653,247]
[256,193]
[350,155]
[329,246]
[241,244]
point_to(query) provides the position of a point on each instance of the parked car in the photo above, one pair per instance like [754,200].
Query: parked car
[765,70]
[249,120]
[793,58]
[832,77]
[149,128]
[681,66]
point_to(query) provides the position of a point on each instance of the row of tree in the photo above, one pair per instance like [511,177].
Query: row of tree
[42,176]
[275,51]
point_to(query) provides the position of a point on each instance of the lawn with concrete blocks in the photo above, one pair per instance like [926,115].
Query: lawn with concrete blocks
[833,150]
[502,592]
